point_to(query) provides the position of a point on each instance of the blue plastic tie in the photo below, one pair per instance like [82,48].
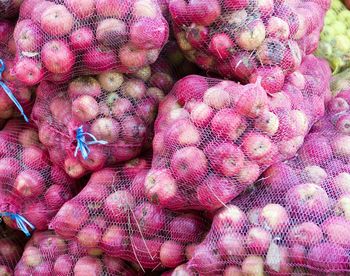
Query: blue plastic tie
[83,145]
[9,92]
[20,221]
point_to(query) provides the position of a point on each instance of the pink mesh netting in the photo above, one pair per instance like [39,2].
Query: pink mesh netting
[238,39]
[32,189]
[296,221]
[23,94]
[57,39]
[214,138]
[112,214]
[48,254]
[118,110]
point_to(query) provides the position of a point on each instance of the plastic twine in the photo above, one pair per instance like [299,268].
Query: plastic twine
[9,92]
[20,221]
[83,145]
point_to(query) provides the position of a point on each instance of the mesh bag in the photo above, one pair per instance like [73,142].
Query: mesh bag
[239,38]
[9,8]
[49,254]
[32,190]
[112,214]
[214,138]
[11,249]
[91,122]
[296,222]
[15,98]
[335,38]
[56,39]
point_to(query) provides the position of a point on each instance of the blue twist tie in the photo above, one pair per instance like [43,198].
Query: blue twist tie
[9,93]
[82,145]
[20,221]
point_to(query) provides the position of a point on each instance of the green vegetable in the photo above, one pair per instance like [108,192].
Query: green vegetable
[334,42]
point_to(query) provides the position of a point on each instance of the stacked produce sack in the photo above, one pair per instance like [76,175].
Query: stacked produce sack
[239,38]
[214,138]
[335,38]
[185,136]
[296,220]
[58,39]
[112,214]
[48,254]
[91,122]
[32,189]
[16,99]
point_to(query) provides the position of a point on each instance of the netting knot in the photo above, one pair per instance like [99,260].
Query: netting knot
[9,92]
[83,145]
[20,221]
